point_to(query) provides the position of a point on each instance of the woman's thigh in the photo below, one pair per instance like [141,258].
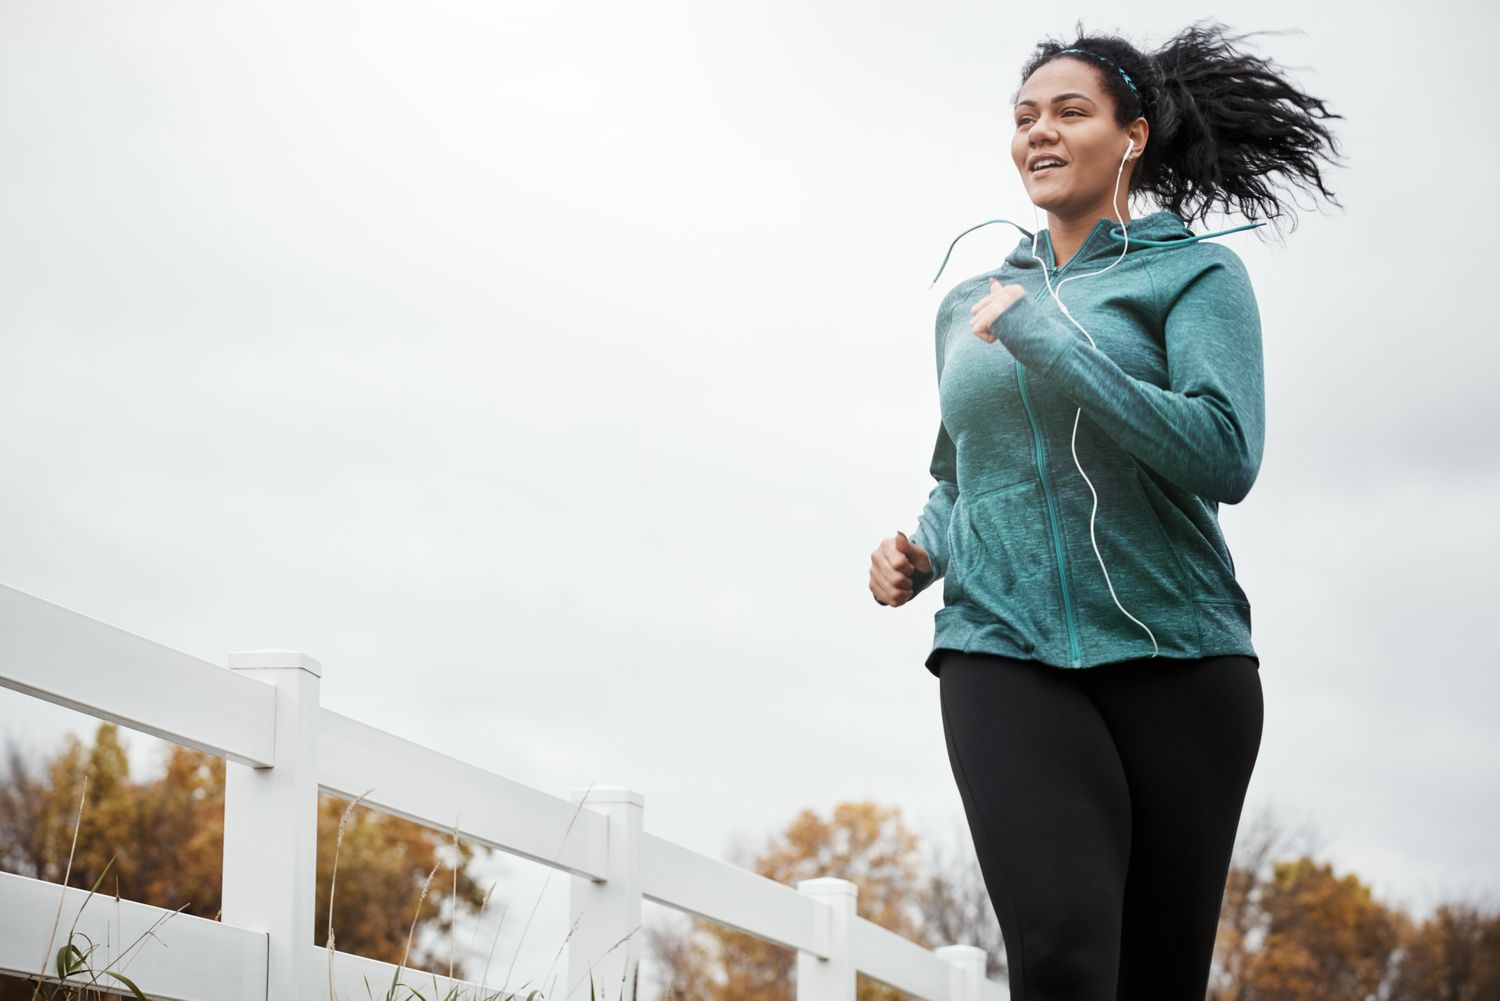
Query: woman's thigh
[1048,806]
[1188,733]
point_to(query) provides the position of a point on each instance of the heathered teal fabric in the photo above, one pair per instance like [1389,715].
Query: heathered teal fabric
[1173,425]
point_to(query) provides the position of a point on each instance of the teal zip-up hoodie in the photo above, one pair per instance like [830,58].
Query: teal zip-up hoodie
[1172,425]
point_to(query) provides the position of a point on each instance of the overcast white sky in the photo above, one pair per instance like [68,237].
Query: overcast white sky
[549,372]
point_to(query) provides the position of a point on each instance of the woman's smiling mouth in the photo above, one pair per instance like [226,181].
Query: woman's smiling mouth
[1043,163]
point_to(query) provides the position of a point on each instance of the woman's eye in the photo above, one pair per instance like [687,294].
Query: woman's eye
[1026,118]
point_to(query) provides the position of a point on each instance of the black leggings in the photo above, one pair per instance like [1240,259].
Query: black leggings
[1103,802]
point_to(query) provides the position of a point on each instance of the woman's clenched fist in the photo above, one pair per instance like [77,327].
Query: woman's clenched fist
[891,567]
[987,310]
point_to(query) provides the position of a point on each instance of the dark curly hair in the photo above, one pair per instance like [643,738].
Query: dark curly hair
[1222,122]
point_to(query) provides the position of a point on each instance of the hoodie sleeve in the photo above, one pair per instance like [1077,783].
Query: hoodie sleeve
[932,523]
[1206,433]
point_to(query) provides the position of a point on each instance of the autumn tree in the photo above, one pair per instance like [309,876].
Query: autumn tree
[861,842]
[1243,921]
[1326,937]
[166,836]
[683,957]
[1290,930]
[382,865]
[1454,955]
[956,906]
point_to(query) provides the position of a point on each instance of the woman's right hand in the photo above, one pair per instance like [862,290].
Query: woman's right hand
[891,567]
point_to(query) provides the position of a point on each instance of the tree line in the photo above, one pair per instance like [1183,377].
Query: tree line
[1292,927]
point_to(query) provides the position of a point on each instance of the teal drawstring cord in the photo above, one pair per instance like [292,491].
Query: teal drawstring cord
[1116,234]
[1119,236]
[964,234]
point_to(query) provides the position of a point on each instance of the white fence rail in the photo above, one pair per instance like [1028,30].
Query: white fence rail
[264,717]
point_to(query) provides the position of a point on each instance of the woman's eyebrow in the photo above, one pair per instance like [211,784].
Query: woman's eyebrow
[1059,97]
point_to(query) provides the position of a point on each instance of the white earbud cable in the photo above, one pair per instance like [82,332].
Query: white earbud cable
[1077,416]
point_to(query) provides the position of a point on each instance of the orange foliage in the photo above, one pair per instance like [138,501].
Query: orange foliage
[1326,937]
[166,835]
[861,842]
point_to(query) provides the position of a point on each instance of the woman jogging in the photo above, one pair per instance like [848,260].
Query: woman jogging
[1101,396]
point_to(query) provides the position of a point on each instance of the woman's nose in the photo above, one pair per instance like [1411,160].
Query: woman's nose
[1041,129]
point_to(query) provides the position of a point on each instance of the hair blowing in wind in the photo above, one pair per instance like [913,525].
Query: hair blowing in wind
[1226,125]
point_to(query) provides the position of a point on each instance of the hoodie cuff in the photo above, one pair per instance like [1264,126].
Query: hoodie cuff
[1037,338]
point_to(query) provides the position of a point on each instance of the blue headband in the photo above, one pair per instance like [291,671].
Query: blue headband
[1110,62]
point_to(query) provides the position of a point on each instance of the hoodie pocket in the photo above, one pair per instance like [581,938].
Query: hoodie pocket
[1165,557]
[1004,564]
[957,538]
[1139,594]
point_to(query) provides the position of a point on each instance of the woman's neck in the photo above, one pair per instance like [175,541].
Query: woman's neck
[1067,235]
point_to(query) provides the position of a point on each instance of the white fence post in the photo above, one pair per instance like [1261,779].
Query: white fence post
[271,825]
[610,910]
[831,979]
[966,970]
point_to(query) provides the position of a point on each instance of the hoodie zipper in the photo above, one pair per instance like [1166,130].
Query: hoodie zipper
[1041,468]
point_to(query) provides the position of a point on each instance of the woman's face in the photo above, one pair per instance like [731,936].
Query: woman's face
[1062,111]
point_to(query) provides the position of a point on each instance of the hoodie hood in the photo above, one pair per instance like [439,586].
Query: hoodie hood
[1157,230]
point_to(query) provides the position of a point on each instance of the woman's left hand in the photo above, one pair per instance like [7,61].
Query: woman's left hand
[986,310]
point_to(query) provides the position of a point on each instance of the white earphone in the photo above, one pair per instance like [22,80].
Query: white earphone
[1053,292]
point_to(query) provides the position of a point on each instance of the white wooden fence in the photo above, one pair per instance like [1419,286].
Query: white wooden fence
[282,747]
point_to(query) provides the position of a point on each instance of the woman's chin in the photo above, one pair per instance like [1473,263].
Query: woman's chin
[1041,195]
[1044,200]
[1055,201]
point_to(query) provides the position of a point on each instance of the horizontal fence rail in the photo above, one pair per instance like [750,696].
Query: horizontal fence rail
[356,978]
[746,901]
[419,784]
[263,715]
[61,656]
[206,959]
